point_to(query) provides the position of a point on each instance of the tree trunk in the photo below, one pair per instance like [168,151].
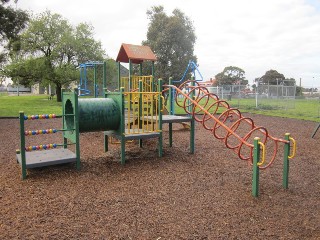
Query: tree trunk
[58,92]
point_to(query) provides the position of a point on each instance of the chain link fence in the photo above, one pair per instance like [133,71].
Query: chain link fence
[272,97]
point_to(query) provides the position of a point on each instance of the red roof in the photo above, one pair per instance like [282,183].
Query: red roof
[137,54]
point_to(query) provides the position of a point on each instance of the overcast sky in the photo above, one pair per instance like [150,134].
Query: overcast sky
[255,35]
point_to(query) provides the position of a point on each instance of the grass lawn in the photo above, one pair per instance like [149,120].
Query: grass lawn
[30,104]
[306,109]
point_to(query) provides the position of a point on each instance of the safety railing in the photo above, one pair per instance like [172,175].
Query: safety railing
[132,84]
[143,112]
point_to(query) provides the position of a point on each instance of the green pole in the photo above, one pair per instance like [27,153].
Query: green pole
[119,76]
[65,140]
[104,76]
[130,75]
[153,81]
[171,100]
[140,69]
[76,124]
[140,109]
[192,131]
[95,81]
[285,177]
[22,146]
[192,95]
[255,175]
[160,117]
[122,128]
[170,134]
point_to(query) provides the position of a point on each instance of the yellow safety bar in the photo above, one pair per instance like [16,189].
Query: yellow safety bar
[149,114]
[294,148]
[263,153]
[147,82]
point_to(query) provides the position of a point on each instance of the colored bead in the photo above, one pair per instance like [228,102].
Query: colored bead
[50,115]
[34,148]
[41,147]
[33,132]
[37,116]
[29,117]
[25,117]
[30,148]
[54,145]
[50,130]
[33,117]
[40,131]
[30,133]
[37,132]
[44,131]
[38,147]
[51,145]
[47,116]
[43,116]
[53,115]
[44,146]
[26,133]
[54,130]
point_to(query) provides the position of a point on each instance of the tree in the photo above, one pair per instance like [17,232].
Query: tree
[11,23]
[172,39]
[57,47]
[231,75]
[272,77]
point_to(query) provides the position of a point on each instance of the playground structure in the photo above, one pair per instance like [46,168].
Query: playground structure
[135,112]
[83,89]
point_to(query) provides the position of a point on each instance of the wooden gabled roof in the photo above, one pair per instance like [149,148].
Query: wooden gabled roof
[137,54]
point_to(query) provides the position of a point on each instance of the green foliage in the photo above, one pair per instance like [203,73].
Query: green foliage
[231,75]
[11,21]
[272,77]
[172,39]
[57,48]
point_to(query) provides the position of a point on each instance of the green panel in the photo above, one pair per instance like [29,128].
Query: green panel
[69,100]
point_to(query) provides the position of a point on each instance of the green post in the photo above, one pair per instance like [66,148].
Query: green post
[104,76]
[119,76]
[130,75]
[95,81]
[22,146]
[192,131]
[76,124]
[171,110]
[140,109]
[122,128]
[285,177]
[153,81]
[106,144]
[255,175]
[192,127]
[170,134]
[160,117]
[171,100]
[140,65]
[65,140]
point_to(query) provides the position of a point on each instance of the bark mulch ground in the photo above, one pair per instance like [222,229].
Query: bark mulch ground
[206,195]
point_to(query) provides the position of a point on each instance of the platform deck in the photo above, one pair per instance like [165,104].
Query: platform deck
[48,157]
[133,134]
[169,119]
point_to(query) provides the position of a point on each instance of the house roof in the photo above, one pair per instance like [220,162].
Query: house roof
[137,54]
